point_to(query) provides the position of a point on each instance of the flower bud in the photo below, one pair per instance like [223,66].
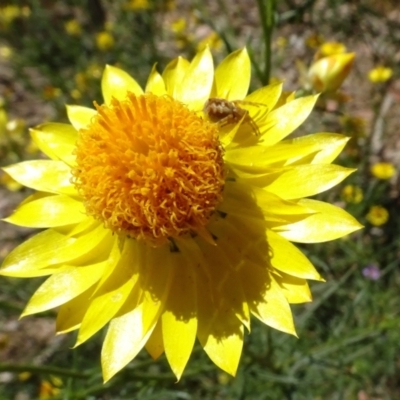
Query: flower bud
[328,73]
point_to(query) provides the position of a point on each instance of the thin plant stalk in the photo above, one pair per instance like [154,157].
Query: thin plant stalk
[267,18]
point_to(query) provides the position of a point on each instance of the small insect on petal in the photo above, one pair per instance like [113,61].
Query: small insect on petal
[226,112]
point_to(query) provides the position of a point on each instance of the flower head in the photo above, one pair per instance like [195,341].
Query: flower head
[372,272]
[380,74]
[328,73]
[352,194]
[104,41]
[73,27]
[137,5]
[330,48]
[213,41]
[377,215]
[383,170]
[170,220]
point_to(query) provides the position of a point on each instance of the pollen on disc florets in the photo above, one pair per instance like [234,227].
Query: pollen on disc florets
[149,167]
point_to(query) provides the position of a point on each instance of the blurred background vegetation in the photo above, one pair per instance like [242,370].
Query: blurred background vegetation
[53,52]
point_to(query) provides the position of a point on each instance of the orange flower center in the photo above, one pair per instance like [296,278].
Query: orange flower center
[149,167]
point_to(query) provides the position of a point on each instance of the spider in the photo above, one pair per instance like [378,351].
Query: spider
[225,112]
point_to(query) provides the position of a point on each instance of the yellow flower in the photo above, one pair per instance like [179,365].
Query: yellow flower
[352,194]
[314,40]
[94,71]
[281,42]
[75,94]
[104,41]
[171,223]
[330,48]
[10,13]
[9,183]
[328,73]
[47,390]
[179,25]
[380,74]
[24,376]
[6,52]
[213,41]
[73,27]
[383,170]
[137,5]
[51,92]
[377,215]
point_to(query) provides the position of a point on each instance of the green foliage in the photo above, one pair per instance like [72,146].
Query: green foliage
[348,336]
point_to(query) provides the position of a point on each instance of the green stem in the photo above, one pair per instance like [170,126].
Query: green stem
[267,19]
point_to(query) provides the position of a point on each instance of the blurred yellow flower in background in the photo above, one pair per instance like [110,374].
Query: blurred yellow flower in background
[76,94]
[73,27]
[6,52]
[330,48]
[170,220]
[383,170]
[179,25]
[94,71]
[137,5]
[377,215]
[281,42]
[314,40]
[50,388]
[10,183]
[104,41]
[9,13]
[213,41]
[380,74]
[352,194]
[51,92]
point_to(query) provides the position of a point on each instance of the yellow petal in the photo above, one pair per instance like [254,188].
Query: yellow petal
[195,88]
[282,121]
[43,175]
[179,319]
[155,344]
[63,286]
[112,294]
[289,259]
[267,95]
[56,140]
[232,76]
[51,248]
[80,116]
[328,223]
[155,83]
[50,211]
[223,342]
[128,332]
[326,145]
[174,73]
[125,337]
[310,180]
[230,293]
[272,309]
[296,290]
[243,199]
[259,159]
[219,330]
[70,314]
[115,82]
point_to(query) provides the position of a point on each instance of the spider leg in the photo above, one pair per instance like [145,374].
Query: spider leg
[253,126]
